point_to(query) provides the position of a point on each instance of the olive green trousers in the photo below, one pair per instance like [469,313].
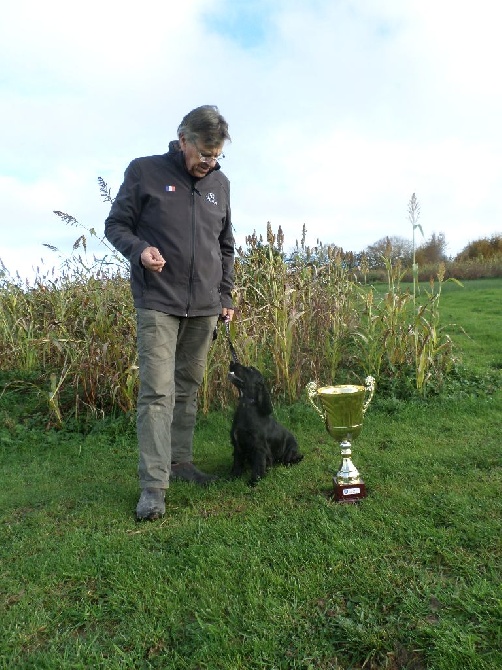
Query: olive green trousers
[172,356]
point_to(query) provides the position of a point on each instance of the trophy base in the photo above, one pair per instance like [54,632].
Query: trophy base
[349,493]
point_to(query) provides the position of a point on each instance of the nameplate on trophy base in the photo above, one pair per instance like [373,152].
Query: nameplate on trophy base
[349,493]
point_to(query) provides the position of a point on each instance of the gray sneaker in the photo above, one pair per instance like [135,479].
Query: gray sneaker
[187,472]
[151,505]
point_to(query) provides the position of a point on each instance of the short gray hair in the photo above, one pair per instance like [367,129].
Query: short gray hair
[205,124]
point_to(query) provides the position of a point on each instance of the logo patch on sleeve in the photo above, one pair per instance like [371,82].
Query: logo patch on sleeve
[170,188]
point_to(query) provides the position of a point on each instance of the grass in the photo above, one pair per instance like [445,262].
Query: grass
[474,309]
[276,577]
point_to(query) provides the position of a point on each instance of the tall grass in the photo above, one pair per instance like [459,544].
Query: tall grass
[472,268]
[76,335]
[303,318]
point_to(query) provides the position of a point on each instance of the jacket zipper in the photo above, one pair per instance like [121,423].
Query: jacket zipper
[192,251]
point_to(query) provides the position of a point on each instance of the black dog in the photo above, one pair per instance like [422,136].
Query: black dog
[258,439]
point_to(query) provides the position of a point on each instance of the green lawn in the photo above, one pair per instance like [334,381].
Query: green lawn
[474,310]
[275,577]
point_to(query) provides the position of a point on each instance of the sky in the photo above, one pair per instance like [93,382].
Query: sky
[339,110]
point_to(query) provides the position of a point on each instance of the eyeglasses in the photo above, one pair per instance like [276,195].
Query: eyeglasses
[208,159]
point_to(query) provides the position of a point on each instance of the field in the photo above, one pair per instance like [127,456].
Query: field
[275,577]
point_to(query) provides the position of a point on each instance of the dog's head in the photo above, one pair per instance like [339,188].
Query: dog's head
[251,386]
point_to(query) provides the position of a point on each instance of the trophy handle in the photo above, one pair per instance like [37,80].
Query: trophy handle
[312,393]
[369,383]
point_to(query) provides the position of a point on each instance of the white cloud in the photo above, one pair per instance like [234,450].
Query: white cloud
[338,112]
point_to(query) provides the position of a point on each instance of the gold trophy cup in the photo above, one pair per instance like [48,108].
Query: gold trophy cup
[343,409]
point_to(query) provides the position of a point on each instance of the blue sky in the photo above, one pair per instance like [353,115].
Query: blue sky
[246,23]
[339,110]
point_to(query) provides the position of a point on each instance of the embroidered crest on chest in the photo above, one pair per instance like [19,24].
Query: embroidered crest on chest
[210,197]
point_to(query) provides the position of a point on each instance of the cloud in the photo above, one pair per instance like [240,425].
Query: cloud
[338,112]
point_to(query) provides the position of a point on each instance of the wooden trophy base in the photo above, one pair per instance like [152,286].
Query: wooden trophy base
[349,493]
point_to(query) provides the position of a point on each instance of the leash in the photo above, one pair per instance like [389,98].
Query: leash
[233,353]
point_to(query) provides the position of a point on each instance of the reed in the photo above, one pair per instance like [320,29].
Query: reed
[299,317]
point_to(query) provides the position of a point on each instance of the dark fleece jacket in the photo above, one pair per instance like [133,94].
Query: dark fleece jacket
[161,205]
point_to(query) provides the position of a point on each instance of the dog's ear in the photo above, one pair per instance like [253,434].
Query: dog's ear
[263,399]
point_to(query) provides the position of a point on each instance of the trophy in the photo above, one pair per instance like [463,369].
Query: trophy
[343,409]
